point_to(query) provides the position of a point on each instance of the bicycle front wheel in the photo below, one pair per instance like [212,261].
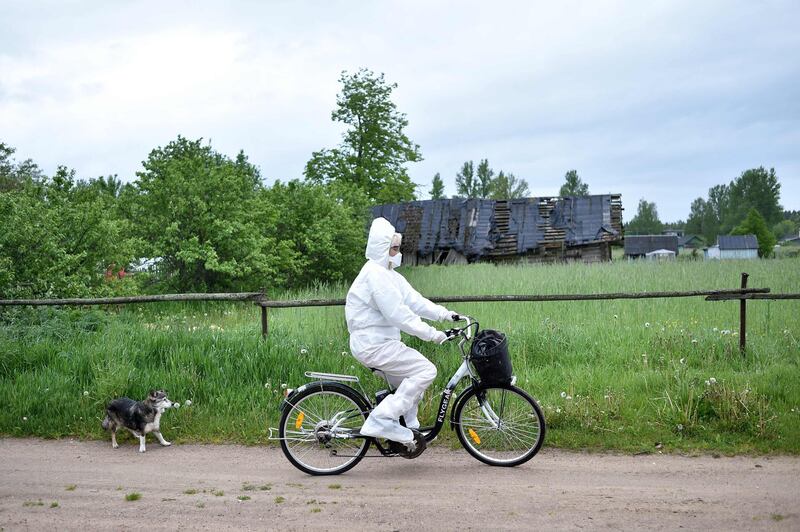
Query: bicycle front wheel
[500,426]
[316,428]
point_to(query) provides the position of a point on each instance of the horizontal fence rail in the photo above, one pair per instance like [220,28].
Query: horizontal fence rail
[722,294]
[238,296]
[259,298]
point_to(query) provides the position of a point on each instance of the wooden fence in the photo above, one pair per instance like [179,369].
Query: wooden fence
[259,298]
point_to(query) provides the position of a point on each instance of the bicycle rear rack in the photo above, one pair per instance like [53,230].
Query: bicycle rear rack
[331,376]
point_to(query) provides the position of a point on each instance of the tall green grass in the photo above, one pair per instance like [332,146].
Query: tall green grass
[632,375]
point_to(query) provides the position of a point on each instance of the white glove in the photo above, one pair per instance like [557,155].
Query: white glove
[453,316]
[439,337]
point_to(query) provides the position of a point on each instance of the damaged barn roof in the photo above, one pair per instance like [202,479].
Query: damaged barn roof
[476,228]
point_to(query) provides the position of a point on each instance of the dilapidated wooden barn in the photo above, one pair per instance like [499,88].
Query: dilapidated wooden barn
[457,231]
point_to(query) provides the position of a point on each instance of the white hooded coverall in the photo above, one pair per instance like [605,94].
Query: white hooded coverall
[380,304]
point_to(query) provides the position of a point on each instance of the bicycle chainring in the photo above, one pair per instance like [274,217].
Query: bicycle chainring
[412,450]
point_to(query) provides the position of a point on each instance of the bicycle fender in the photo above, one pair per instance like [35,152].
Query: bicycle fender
[324,385]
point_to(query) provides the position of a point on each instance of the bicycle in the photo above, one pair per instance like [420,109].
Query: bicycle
[497,423]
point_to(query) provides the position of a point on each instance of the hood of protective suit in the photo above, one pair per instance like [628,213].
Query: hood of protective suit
[379,241]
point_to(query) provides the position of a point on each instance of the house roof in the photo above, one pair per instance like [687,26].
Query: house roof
[738,242]
[476,227]
[643,244]
[689,239]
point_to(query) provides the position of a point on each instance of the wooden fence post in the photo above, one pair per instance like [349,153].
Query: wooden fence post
[743,318]
[264,324]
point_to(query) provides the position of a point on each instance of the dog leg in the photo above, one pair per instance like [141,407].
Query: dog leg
[141,443]
[114,443]
[161,439]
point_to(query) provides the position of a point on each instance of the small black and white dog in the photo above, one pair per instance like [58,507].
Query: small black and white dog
[139,417]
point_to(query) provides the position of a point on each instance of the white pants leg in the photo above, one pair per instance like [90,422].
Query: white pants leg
[410,416]
[404,367]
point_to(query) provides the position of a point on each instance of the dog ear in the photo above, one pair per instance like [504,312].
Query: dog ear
[152,393]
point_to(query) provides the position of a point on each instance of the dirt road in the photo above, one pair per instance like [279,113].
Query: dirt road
[83,485]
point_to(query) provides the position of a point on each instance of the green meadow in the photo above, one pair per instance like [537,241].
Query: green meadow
[654,375]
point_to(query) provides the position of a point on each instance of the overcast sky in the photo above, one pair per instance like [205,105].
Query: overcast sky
[658,100]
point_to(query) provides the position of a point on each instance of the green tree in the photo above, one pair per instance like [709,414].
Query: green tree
[755,224]
[375,148]
[485,179]
[437,190]
[756,188]
[466,184]
[702,221]
[785,228]
[199,212]
[57,237]
[507,186]
[646,221]
[324,225]
[14,175]
[573,186]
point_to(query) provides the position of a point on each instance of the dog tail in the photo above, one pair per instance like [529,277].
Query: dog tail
[106,423]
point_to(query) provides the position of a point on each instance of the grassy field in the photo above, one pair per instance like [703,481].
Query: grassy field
[630,375]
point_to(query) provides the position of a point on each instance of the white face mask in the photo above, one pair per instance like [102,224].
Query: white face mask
[395,261]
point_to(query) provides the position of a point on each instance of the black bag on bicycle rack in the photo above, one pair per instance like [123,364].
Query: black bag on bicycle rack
[489,355]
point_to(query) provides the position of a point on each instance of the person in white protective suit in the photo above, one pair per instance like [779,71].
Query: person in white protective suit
[379,305]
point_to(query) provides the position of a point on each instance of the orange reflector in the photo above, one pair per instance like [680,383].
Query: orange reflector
[474,436]
[299,422]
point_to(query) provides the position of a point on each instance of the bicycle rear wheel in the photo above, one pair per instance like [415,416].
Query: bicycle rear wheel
[316,426]
[500,425]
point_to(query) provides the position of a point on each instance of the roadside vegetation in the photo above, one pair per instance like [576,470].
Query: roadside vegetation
[629,375]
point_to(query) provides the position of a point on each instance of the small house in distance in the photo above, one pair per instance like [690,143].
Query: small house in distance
[460,231]
[638,246]
[734,247]
[689,242]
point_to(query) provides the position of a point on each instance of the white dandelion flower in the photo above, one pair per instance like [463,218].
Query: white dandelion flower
[683,361]
[569,398]
[715,329]
[647,324]
[563,394]
[188,402]
[283,386]
[344,353]
[694,341]
[712,380]
[615,316]
[679,427]
[267,385]
[303,351]
[85,393]
[708,383]
[24,418]
[558,410]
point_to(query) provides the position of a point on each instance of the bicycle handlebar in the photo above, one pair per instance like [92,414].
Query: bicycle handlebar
[463,332]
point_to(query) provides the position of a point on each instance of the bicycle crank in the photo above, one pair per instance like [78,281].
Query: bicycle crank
[411,449]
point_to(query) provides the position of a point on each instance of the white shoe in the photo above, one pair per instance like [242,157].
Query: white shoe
[412,423]
[391,429]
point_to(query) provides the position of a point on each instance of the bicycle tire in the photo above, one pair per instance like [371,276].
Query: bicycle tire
[517,437]
[305,420]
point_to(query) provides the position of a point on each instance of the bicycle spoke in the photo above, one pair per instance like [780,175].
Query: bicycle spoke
[322,416]
[511,436]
